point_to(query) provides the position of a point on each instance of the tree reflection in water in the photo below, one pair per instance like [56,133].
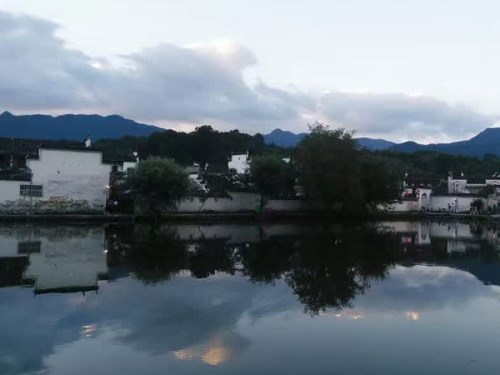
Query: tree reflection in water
[325,268]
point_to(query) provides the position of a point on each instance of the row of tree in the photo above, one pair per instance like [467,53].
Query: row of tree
[202,146]
[327,169]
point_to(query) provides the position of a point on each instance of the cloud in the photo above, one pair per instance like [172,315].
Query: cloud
[424,288]
[37,72]
[195,84]
[198,84]
[409,116]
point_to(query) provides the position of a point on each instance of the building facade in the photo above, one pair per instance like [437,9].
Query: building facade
[58,181]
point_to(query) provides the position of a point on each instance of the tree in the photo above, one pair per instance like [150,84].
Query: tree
[380,178]
[159,182]
[329,168]
[270,176]
[334,173]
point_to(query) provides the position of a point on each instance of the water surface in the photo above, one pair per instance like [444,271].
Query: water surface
[382,298]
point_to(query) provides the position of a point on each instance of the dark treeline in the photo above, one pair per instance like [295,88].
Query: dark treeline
[327,168]
[439,165]
[203,145]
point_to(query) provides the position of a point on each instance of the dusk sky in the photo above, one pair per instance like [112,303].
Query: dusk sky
[426,70]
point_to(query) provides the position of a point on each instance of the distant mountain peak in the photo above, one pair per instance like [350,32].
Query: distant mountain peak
[6,114]
[285,138]
[71,126]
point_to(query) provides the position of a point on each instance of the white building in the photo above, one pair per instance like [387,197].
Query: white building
[61,181]
[239,163]
[462,185]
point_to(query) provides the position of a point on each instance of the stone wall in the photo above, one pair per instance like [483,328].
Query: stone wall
[235,203]
[403,206]
[437,203]
[12,203]
[440,203]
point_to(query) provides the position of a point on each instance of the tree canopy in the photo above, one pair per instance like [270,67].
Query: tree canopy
[159,182]
[334,173]
[271,176]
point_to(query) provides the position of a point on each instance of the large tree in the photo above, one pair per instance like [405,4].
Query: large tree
[271,176]
[159,183]
[334,173]
[329,168]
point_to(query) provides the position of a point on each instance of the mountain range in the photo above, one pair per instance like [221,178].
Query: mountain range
[71,127]
[77,127]
[286,138]
[486,142]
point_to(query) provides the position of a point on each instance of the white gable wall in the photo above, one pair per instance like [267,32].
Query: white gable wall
[239,163]
[71,179]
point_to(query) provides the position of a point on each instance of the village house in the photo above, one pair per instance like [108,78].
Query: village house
[53,177]
[472,186]
[239,163]
[454,195]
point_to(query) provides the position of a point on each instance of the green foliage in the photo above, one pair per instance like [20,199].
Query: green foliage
[121,148]
[159,182]
[438,165]
[478,204]
[333,172]
[203,145]
[271,176]
[380,178]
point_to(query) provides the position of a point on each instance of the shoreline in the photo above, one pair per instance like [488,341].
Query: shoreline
[240,217]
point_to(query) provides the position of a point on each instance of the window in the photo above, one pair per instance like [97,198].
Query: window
[31,191]
[29,247]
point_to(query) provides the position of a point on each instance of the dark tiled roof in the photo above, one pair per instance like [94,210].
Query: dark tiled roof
[15,174]
[30,147]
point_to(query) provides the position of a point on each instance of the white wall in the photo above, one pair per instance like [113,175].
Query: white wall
[71,180]
[128,164]
[239,163]
[237,202]
[11,201]
[457,186]
[440,203]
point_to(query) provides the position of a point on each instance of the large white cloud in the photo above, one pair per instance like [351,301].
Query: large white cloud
[37,72]
[199,84]
[411,116]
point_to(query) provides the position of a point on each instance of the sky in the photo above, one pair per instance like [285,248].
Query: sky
[426,70]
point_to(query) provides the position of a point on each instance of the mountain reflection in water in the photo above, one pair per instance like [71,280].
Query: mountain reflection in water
[141,299]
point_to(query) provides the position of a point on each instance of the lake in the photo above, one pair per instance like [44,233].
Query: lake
[373,298]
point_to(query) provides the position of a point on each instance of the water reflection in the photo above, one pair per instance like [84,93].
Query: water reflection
[53,259]
[232,297]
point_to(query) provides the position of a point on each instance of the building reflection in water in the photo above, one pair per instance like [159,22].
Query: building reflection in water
[53,259]
[325,266]
[351,274]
